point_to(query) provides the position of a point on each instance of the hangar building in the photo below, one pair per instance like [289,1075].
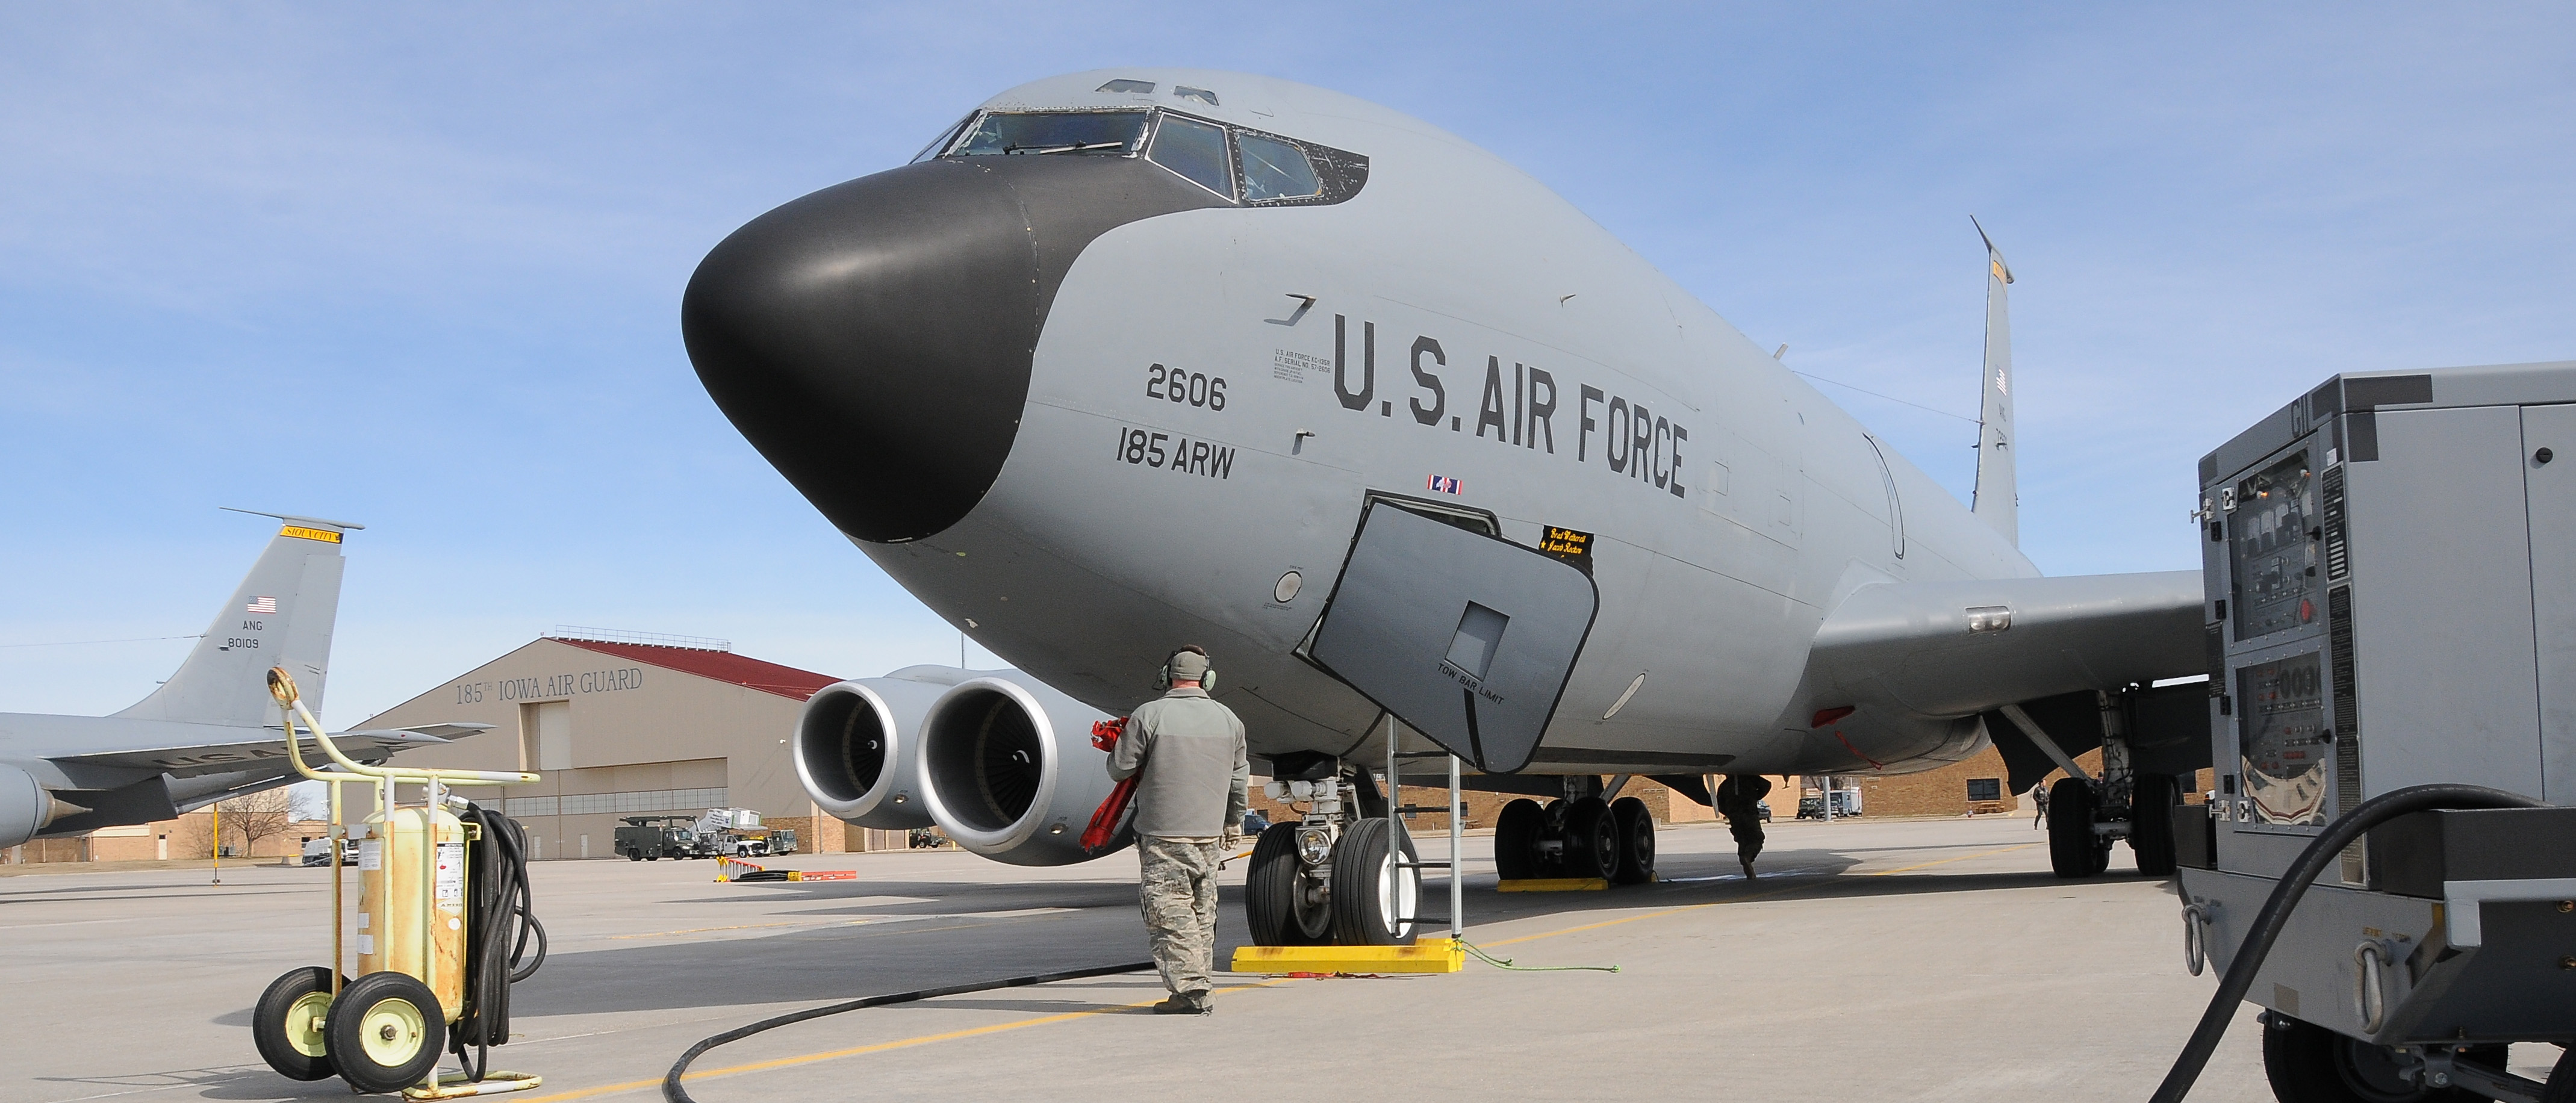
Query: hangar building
[621,724]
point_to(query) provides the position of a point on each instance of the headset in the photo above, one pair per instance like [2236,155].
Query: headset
[1163,677]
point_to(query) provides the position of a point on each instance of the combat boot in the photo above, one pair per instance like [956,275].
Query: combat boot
[1184,1003]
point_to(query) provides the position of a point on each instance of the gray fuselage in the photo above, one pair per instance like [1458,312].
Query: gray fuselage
[1452,319]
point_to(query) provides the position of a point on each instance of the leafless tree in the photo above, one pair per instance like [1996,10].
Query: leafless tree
[255,816]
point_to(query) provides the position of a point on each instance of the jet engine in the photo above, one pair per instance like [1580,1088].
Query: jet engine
[1008,770]
[25,807]
[858,746]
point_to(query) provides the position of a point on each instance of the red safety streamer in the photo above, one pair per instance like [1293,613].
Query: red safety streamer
[1847,744]
[1113,812]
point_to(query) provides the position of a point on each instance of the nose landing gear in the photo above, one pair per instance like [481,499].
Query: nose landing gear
[1340,876]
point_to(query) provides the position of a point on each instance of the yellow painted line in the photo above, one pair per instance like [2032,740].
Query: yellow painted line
[880,1047]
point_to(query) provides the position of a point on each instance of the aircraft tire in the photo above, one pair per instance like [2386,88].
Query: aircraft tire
[1551,814]
[1516,832]
[281,1024]
[1367,889]
[2151,837]
[385,1032]
[1272,893]
[1591,840]
[1636,830]
[2071,850]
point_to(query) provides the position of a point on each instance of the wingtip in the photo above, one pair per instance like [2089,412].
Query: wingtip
[1992,253]
[298,519]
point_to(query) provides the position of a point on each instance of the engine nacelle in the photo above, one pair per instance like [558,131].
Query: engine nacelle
[1009,771]
[858,746]
[25,807]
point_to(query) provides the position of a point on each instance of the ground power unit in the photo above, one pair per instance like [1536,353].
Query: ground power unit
[2391,607]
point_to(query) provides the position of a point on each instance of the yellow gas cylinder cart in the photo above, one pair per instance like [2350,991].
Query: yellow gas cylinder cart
[443,927]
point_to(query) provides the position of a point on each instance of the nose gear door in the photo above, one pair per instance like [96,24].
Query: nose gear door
[1467,637]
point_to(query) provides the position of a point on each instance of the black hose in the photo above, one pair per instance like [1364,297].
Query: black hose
[503,923]
[2285,895]
[674,1093]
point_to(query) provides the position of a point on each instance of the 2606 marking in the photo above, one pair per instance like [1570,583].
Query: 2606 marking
[1177,387]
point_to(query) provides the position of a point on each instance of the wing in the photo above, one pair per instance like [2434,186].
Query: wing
[1948,649]
[373,745]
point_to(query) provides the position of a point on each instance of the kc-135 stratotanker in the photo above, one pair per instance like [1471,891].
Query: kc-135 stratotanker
[210,731]
[1132,358]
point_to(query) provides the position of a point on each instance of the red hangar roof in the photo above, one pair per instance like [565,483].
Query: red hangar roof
[722,666]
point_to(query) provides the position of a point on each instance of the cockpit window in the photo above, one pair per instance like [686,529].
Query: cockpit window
[1273,169]
[1069,132]
[942,141]
[1122,84]
[1196,150]
[1188,93]
[1238,164]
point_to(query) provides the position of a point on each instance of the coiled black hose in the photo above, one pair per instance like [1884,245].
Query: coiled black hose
[2285,896]
[504,922]
[674,1093]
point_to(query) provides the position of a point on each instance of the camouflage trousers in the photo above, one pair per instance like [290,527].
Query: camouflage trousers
[1178,891]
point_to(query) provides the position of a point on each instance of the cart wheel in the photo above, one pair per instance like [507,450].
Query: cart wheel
[287,1024]
[385,1032]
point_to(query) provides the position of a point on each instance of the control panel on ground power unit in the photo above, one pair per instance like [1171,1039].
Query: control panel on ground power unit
[2284,745]
[2388,562]
[2273,547]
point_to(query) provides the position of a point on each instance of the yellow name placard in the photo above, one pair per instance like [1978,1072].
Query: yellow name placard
[324,535]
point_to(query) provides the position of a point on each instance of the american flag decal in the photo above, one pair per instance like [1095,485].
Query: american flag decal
[263,605]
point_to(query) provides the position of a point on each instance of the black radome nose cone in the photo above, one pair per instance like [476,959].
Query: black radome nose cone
[873,341]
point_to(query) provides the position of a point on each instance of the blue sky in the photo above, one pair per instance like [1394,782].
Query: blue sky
[419,265]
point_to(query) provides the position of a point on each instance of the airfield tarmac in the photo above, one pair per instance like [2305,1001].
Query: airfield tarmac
[1877,960]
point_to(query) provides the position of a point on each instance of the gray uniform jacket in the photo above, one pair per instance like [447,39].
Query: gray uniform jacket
[1197,777]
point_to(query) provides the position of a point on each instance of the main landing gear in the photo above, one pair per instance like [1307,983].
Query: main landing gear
[2087,814]
[1579,836]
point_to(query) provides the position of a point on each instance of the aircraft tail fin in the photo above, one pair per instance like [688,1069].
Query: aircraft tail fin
[1998,498]
[280,616]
